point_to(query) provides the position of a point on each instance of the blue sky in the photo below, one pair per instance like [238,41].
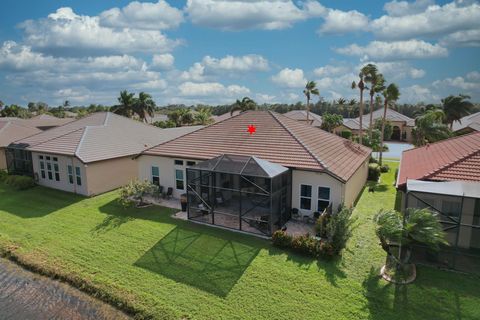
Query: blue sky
[215,51]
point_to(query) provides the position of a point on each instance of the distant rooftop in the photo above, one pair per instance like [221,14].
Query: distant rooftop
[392,115]
[471,121]
[11,131]
[301,115]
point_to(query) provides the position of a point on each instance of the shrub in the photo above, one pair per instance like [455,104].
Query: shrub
[304,244]
[372,160]
[3,175]
[281,239]
[134,192]
[320,226]
[373,172]
[385,168]
[19,182]
[346,134]
[339,229]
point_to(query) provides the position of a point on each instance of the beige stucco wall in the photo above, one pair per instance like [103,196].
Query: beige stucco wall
[316,179]
[355,184]
[436,201]
[107,175]
[63,184]
[3,159]
[167,167]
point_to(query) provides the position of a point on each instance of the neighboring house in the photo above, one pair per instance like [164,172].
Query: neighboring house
[445,176]
[88,156]
[10,131]
[402,125]
[240,180]
[45,121]
[467,124]
[301,115]
[225,116]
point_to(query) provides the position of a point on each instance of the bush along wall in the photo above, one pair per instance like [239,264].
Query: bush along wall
[373,172]
[19,182]
[333,232]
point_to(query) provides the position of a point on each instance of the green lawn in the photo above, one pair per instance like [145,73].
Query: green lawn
[176,269]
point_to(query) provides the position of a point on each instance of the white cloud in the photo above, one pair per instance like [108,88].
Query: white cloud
[66,32]
[338,22]
[143,15]
[380,50]
[435,20]
[265,98]
[330,70]
[250,62]
[402,8]
[215,89]
[416,93]
[290,78]
[195,73]
[473,76]
[466,38]
[396,70]
[457,82]
[248,14]
[163,61]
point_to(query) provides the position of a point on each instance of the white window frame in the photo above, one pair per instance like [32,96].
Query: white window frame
[300,196]
[183,178]
[154,176]
[321,199]
[78,176]
[70,173]
[42,167]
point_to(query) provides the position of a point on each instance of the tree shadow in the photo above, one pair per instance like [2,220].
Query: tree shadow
[35,202]
[111,222]
[210,263]
[119,213]
[398,201]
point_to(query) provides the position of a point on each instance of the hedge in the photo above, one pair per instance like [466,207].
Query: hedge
[19,182]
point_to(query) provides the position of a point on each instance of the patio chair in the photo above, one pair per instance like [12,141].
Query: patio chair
[157,194]
[169,193]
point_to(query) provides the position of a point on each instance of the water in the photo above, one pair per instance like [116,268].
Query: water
[395,150]
[25,295]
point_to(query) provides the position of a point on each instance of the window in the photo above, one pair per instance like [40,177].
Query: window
[190,163]
[49,170]
[305,197]
[476,213]
[155,176]
[78,176]
[70,174]
[179,162]
[42,169]
[57,173]
[55,159]
[451,208]
[323,198]
[40,157]
[47,158]
[179,179]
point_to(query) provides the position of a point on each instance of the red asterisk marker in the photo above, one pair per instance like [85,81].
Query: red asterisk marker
[251,129]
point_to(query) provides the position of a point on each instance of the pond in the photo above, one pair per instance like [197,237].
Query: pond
[25,295]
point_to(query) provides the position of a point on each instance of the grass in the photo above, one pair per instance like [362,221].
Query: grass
[172,269]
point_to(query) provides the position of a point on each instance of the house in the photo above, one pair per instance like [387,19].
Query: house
[445,177]
[45,121]
[301,115]
[88,156]
[248,171]
[10,131]
[402,125]
[467,124]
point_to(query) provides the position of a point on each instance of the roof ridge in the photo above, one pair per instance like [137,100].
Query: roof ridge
[442,141]
[62,135]
[298,140]
[451,164]
[77,149]
[8,124]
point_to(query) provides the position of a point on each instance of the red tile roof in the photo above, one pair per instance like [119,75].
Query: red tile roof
[277,139]
[455,159]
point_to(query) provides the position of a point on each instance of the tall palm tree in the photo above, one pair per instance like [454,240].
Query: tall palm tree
[390,96]
[310,88]
[395,229]
[361,86]
[456,107]
[429,127]
[143,106]
[377,84]
[245,104]
[125,108]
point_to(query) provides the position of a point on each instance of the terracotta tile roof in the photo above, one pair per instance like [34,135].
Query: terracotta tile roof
[277,139]
[301,115]
[392,115]
[11,131]
[225,116]
[354,124]
[101,136]
[455,159]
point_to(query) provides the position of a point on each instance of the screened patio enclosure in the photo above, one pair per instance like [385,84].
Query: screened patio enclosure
[239,192]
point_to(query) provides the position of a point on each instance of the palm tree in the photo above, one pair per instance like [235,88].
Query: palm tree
[455,108]
[429,127]
[245,104]
[204,116]
[361,86]
[395,229]
[390,96]
[341,102]
[310,88]
[144,106]
[125,108]
[377,84]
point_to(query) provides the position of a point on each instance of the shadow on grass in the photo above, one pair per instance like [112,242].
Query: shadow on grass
[35,202]
[117,213]
[212,264]
[398,201]
[435,294]
[111,222]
